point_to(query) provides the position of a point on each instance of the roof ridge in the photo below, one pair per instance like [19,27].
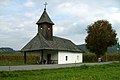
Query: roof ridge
[62,38]
[40,35]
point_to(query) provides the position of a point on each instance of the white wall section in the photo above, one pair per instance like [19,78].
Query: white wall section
[72,57]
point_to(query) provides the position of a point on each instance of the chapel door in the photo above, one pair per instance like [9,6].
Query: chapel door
[48,58]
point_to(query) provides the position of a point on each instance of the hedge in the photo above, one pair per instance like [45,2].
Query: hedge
[90,57]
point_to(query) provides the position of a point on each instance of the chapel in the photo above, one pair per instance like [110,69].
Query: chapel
[52,49]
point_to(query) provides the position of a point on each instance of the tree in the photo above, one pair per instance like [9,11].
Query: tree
[100,37]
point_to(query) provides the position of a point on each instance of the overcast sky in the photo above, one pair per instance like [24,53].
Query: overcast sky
[71,17]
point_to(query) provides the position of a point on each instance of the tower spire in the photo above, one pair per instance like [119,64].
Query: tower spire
[45,5]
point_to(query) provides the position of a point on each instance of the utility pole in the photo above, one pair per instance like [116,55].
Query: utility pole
[118,48]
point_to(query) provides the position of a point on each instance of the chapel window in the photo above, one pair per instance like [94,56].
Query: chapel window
[66,58]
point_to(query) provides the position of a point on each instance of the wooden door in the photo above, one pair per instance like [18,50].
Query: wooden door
[48,58]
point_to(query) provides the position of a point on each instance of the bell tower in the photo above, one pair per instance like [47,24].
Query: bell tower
[45,25]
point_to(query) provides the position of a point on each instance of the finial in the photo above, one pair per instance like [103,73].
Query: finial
[45,5]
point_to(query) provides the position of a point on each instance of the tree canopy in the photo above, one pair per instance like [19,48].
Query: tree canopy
[100,37]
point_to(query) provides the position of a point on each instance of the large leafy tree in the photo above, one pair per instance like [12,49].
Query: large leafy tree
[100,37]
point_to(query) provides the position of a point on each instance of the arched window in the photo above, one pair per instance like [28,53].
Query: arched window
[48,28]
[41,27]
[77,57]
[66,58]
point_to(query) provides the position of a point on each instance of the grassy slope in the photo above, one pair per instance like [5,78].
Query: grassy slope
[101,72]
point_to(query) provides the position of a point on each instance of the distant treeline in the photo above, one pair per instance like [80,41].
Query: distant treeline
[113,49]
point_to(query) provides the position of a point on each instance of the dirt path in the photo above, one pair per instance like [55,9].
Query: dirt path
[50,66]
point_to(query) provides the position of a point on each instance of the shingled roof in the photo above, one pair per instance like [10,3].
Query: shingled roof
[44,18]
[60,44]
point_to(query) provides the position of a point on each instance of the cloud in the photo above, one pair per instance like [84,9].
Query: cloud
[4,2]
[71,18]
[89,13]
[29,4]
[16,31]
[76,18]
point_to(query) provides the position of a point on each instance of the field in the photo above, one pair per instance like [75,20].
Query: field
[97,72]
[18,59]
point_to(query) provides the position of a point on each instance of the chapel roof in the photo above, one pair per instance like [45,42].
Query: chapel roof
[60,44]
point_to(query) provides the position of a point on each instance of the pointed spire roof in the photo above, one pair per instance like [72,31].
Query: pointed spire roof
[45,18]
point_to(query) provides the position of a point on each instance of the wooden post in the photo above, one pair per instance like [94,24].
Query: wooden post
[25,57]
[41,56]
[106,57]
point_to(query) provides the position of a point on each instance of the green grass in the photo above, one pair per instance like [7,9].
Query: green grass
[97,72]
[11,63]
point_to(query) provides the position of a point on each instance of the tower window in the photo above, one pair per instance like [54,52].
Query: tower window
[41,27]
[49,28]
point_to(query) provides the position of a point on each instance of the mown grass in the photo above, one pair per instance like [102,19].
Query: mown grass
[97,72]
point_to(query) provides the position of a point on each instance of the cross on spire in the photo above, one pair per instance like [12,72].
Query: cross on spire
[45,5]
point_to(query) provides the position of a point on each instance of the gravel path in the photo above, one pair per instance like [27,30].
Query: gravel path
[50,66]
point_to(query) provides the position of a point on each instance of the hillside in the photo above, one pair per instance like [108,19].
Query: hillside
[112,49]
[6,50]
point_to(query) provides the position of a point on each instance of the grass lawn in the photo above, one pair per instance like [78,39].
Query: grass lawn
[97,72]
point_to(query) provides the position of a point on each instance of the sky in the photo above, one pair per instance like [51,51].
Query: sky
[71,18]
